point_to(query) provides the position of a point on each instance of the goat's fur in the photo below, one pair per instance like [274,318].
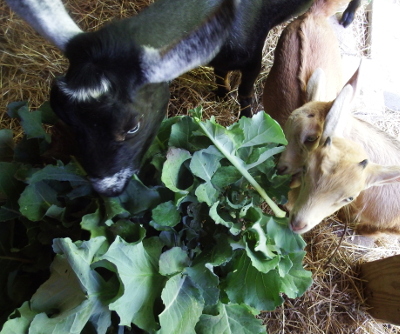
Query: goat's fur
[115,93]
[340,173]
[242,50]
[308,43]
[49,18]
[376,209]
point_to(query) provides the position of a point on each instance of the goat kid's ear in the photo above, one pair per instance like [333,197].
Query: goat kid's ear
[49,18]
[316,86]
[336,119]
[328,142]
[196,49]
[355,79]
[380,175]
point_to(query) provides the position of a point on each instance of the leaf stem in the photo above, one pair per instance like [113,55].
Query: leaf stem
[238,164]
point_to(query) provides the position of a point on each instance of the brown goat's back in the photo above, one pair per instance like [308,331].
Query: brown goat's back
[306,44]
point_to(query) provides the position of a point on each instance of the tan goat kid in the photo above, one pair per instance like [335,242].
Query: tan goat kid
[308,43]
[329,182]
[338,174]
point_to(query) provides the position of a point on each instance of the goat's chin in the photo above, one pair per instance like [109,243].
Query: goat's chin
[295,181]
[113,185]
[301,230]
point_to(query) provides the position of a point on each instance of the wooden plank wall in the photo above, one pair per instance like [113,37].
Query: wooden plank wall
[382,288]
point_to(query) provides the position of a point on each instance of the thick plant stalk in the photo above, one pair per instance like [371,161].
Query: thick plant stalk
[238,163]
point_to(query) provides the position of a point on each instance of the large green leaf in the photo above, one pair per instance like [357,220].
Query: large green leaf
[166,214]
[173,261]
[170,174]
[73,295]
[58,173]
[183,306]
[262,290]
[141,283]
[31,122]
[261,129]
[36,199]
[246,285]
[204,164]
[283,236]
[231,319]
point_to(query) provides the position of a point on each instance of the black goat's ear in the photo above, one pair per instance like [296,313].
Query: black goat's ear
[197,48]
[328,142]
[49,18]
[363,163]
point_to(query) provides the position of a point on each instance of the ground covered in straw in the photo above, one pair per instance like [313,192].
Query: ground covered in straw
[335,302]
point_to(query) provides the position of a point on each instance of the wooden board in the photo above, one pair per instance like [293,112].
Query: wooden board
[382,288]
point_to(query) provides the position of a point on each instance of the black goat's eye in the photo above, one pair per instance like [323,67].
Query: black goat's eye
[134,129]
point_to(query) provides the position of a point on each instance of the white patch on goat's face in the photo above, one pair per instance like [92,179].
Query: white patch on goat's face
[112,184]
[86,93]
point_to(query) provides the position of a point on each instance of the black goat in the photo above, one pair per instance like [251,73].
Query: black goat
[243,49]
[115,92]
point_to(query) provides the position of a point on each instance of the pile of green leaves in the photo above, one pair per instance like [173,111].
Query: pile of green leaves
[185,249]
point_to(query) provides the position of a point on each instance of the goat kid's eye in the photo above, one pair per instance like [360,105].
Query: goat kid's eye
[311,139]
[134,129]
[349,199]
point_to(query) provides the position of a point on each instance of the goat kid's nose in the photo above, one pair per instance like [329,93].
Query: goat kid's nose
[297,226]
[282,169]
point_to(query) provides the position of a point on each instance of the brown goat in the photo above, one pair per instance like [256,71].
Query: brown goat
[377,209]
[306,44]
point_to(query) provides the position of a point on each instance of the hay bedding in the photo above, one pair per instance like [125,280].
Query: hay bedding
[335,302]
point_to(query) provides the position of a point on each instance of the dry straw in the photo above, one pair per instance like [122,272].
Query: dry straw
[334,304]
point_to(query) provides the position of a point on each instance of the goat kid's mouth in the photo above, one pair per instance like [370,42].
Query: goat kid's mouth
[295,182]
[112,185]
[298,228]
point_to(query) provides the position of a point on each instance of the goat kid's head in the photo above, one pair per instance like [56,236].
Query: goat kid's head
[115,93]
[303,131]
[334,175]
[311,124]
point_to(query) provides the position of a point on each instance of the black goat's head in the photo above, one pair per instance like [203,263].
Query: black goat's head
[115,93]
[113,133]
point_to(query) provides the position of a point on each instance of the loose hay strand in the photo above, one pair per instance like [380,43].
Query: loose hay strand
[335,303]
